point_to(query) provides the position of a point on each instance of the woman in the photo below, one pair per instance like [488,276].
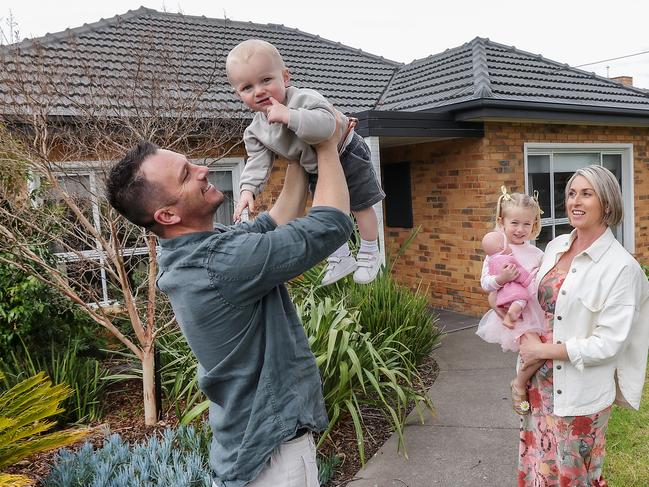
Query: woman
[596,299]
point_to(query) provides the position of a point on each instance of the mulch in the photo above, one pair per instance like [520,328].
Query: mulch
[125,416]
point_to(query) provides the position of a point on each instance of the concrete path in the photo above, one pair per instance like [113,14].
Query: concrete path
[473,439]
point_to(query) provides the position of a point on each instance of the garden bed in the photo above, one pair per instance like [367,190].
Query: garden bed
[126,418]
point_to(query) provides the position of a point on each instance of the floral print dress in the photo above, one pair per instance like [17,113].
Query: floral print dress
[558,451]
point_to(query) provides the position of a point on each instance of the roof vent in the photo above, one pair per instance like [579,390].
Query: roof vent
[625,80]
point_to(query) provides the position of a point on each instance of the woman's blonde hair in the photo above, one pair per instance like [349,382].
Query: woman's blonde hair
[607,189]
[519,200]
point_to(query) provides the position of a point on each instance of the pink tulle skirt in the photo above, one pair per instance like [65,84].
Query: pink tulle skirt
[492,330]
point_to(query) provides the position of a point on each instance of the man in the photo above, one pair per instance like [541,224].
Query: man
[226,288]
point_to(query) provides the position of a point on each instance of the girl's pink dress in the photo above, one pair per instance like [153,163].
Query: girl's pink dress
[491,328]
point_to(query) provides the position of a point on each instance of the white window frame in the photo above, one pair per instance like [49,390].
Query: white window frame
[234,165]
[626,151]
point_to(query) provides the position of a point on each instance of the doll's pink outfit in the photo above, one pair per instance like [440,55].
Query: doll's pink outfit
[513,290]
[527,259]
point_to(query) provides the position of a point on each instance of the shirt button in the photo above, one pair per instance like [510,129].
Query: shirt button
[559,391]
[558,367]
[559,318]
[574,270]
[563,292]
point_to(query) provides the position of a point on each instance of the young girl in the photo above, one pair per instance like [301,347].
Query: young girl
[518,219]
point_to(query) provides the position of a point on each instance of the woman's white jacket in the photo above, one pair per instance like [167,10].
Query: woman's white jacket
[602,316]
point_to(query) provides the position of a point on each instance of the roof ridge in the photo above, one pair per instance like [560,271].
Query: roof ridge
[49,38]
[481,79]
[387,87]
[282,26]
[567,67]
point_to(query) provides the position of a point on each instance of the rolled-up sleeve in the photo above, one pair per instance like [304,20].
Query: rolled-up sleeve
[245,266]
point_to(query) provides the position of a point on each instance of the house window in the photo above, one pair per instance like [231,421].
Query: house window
[224,175]
[398,198]
[84,183]
[548,167]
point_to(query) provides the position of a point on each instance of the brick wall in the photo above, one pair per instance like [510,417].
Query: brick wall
[455,185]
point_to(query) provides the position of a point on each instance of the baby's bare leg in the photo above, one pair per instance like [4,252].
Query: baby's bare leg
[368,225]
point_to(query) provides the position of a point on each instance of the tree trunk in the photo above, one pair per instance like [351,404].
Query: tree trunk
[148,384]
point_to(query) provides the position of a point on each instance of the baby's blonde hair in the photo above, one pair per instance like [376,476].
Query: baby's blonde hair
[519,200]
[242,52]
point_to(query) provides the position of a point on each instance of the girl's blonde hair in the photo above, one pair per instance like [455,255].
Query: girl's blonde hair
[519,200]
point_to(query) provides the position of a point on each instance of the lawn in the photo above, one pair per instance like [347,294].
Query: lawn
[627,445]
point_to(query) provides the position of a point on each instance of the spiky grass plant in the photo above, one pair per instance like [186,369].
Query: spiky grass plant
[178,457]
[25,410]
[356,370]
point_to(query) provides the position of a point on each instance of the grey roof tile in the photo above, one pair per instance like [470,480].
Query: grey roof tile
[103,56]
[182,53]
[485,69]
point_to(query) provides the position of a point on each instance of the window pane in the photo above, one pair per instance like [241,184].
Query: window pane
[539,178]
[570,162]
[562,229]
[222,180]
[613,162]
[544,237]
[73,233]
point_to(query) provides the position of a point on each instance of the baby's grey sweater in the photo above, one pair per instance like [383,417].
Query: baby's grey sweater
[311,121]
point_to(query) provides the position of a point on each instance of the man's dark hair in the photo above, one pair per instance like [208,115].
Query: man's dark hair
[127,189]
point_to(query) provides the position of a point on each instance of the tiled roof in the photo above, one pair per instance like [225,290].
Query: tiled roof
[185,54]
[482,69]
[105,52]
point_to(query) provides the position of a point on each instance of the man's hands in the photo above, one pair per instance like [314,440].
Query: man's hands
[246,200]
[276,112]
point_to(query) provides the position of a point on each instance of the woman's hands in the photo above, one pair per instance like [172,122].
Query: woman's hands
[530,350]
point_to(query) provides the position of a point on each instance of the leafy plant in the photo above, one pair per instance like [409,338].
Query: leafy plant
[66,365]
[388,308]
[178,457]
[24,412]
[26,305]
[645,268]
[327,465]
[358,369]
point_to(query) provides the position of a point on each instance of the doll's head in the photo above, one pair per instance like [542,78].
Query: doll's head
[493,243]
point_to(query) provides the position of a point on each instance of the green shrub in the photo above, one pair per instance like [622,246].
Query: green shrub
[388,308]
[357,368]
[177,458]
[645,268]
[83,375]
[24,412]
[385,307]
[36,314]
